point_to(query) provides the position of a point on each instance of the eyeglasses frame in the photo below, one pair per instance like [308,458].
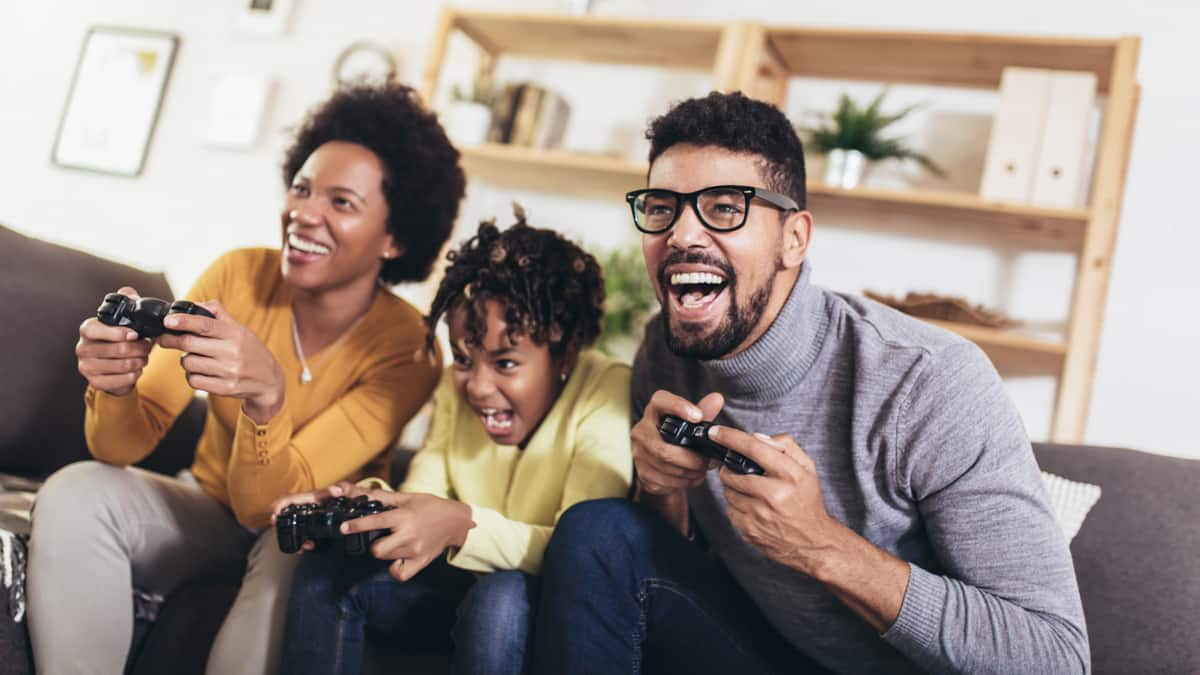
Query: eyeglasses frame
[779,201]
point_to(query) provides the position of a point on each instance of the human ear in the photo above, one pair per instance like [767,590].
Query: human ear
[391,250]
[797,233]
[566,363]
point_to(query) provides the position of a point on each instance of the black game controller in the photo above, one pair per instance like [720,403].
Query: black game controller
[145,315]
[321,523]
[695,437]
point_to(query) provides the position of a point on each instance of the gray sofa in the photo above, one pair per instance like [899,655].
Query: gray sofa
[1137,556]
[51,289]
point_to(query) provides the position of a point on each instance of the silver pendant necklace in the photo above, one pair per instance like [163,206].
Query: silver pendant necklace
[305,373]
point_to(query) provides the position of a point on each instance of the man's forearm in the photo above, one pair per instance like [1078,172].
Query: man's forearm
[867,579]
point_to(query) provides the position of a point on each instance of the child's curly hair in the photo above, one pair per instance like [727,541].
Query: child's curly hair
[552,290]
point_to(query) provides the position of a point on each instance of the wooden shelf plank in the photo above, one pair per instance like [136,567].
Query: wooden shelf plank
[642,42]
[1012,353]
[949,59]
[994,338]
[580,173]
[1032,225]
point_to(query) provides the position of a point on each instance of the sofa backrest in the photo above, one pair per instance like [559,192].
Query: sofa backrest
[48,291]
[1137,556]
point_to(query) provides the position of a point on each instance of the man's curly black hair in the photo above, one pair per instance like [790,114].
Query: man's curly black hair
[737,123]
[422,182]
[552,291]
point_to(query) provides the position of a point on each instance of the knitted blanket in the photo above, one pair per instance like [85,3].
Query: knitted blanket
[16,500]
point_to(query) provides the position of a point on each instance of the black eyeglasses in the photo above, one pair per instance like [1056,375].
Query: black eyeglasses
[722,208]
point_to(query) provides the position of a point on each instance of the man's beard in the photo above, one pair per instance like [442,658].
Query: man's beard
[688,340]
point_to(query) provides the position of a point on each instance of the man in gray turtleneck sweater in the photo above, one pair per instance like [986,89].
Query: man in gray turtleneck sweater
[900,524]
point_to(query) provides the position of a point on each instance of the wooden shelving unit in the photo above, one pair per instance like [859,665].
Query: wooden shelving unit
[563,171]
[760,60]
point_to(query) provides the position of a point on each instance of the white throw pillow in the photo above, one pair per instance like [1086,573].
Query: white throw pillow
[1070,501]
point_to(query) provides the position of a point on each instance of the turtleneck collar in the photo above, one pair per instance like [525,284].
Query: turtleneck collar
[779,360]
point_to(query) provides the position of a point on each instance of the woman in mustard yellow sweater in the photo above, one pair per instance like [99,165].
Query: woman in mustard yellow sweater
[526,423]
[312,369]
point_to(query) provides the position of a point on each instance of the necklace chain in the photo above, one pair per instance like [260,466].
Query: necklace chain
[306,375]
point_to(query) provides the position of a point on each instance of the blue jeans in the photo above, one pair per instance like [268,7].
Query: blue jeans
[335,599]
[623,592]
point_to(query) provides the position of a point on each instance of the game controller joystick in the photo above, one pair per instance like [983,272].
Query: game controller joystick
[144,315]
[694,436]
[321,523]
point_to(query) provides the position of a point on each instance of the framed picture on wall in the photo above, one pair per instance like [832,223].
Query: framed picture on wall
[266,18]
[113,104]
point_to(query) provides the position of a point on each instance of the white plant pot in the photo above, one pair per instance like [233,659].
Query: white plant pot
[844,168]
[467,123]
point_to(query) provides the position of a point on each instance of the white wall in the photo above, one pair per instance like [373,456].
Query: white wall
[193,202]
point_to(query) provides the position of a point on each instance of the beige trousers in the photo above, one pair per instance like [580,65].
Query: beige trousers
[99,531]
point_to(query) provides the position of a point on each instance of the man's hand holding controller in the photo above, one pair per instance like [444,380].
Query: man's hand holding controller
[664,470]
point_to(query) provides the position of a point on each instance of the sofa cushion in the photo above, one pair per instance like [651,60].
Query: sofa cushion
[1136,557]
[51,289]
[1070,501]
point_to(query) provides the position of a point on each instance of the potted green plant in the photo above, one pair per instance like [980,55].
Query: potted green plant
[629,301]
[852,136]
[470,113]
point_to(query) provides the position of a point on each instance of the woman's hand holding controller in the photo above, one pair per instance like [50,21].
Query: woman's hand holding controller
[224,357]
[111,358]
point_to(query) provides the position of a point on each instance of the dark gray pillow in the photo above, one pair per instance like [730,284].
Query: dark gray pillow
[47,291]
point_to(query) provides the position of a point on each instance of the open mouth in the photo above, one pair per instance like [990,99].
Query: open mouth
[496,421]
[694,292]
[306,247]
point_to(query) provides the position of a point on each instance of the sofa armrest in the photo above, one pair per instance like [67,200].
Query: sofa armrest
[1136,556]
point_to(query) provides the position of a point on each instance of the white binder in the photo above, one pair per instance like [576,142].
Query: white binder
[1059,177]
[1013,149]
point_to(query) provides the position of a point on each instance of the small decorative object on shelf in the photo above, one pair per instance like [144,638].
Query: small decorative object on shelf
[580,7]
[469,116]
[852,136]
[944,308]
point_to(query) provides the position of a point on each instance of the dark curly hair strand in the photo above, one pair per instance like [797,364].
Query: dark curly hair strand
[552,291]
[736,123]
[422,182]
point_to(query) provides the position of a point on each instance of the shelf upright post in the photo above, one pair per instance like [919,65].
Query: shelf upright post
[1095,257]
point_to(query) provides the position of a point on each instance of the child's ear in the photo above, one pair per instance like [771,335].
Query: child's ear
[567,362]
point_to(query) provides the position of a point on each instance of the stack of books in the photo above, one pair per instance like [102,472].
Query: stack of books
[529,115]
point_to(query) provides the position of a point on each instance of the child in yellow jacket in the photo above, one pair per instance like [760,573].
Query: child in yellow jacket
[527,422]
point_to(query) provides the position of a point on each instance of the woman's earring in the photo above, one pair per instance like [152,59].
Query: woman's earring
[562,377]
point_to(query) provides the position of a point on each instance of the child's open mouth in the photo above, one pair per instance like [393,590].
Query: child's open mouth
[496,421]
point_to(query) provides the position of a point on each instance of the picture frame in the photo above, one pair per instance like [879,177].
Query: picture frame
[114,101]
[261,18]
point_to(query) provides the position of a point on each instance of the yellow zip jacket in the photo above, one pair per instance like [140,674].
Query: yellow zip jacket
[580,451]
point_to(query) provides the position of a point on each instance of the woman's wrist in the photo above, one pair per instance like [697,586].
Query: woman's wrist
[263,407]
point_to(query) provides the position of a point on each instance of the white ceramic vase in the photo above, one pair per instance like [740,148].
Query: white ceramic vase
[467,123]
[844,168]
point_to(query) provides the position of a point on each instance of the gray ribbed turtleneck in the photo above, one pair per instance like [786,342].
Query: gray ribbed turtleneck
[918,449]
